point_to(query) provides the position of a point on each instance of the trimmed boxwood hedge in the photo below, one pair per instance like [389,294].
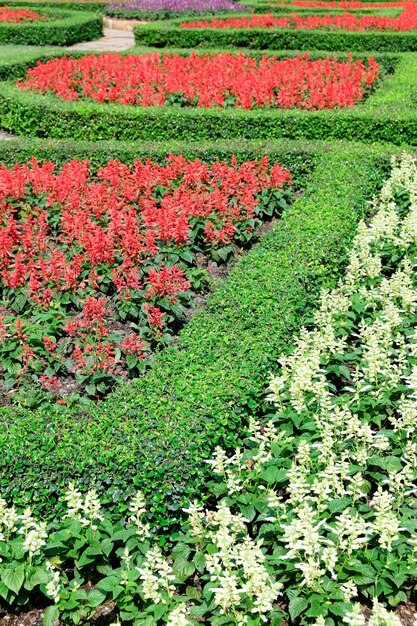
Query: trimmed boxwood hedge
[155,433]
[168,33]
[16,60]
[388,115]
[63,29]
[72,5]
[261,6]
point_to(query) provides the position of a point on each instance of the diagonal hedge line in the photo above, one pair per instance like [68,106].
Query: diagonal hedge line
[388,115]
[67,28]
[155,433]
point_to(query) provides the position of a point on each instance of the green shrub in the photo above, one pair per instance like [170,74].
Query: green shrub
[62,28]
[154,433]
[71,5]
[163,34]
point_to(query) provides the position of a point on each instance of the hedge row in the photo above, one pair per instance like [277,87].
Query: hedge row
[163,34]
[389,115]
[285,9]
[155,433]
[261,6]
[16,60]
[62,28]
[71,5]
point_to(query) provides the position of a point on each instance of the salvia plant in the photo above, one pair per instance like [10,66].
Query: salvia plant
[315,516]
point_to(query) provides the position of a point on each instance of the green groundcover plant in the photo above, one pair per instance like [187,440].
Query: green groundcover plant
[312,518]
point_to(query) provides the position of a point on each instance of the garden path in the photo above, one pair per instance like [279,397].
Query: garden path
[113,40]
[4,135]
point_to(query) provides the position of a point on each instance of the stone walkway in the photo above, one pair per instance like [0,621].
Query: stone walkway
[4,135]
[113,41]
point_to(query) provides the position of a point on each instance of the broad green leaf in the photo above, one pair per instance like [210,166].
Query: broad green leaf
[13,577]
[51,615]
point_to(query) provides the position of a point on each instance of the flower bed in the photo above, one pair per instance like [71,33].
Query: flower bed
[406,21]
[343,4]
[222,80]
[313,517]
[97,270]
[16,16]
[165,9]
[55,27]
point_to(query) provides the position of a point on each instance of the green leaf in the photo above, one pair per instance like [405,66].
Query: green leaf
[181,550]
[199,561]
[13,578]
[183,568]
[51,615]
[40,577]
[273,474]
[95,598]
[192,593]
[108,583]
[248,511]
[296,606]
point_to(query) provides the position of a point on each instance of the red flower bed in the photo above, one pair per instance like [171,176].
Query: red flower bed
[97,269]
[343,4]
[16,16]
[206,80]
[407,20]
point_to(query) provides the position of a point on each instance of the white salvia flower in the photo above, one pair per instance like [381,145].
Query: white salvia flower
[302,534]
[411,381]
[92,508]
[8,518]
[386,522]
[349,590]
[274,501]
[178,617]
[35,539]
[320,621]
[27,522]
[354,617]
[227,595]
[155,574]
[353,532]
[126,558]
[381,617]
[407,415]
[329,558]
[75,503]
[311,572]
[219,462]
[137,509]
[53,587]
[233,482]
[195,517]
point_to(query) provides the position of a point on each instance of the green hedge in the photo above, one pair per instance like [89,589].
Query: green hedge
[163,34]
[72,5]
[16,60]
[63,29]
[155,433]
[261,6]
[388,115]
